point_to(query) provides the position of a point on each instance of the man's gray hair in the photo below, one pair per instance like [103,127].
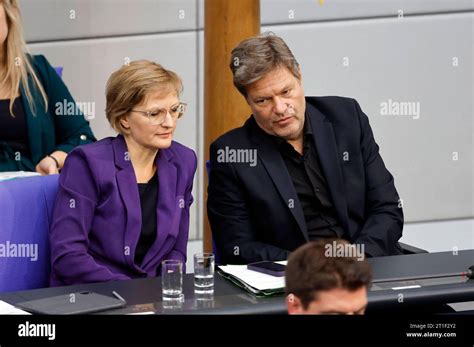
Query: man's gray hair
[256,56]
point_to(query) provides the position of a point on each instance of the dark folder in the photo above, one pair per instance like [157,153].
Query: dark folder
[74,303]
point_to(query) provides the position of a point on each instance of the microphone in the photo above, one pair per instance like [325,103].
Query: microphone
[470,272]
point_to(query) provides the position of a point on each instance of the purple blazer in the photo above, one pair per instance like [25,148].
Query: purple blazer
[97,215]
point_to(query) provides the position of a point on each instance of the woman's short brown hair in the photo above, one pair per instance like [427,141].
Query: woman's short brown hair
[256,56]
[132,83]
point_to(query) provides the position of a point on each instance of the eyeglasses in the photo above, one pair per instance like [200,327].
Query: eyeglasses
[158,115]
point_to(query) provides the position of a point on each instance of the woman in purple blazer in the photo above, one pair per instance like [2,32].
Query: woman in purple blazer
[123,203]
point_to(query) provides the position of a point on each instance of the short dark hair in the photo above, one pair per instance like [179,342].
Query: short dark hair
[309,270]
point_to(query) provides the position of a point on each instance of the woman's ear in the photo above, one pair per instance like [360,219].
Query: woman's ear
[124,123]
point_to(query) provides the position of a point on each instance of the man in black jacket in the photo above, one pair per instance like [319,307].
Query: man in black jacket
[299,169]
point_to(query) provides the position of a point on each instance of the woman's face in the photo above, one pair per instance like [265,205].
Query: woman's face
[142,131]
[3,26]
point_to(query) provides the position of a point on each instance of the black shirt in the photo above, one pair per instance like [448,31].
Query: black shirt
[14,130]
[148,200]
[311,186]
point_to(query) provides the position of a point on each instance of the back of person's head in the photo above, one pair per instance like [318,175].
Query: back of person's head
[132,83]
[254,57]
[17,65]
[327,277]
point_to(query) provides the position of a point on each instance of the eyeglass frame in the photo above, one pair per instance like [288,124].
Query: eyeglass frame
[148,113]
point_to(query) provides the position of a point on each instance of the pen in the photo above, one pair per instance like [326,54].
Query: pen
[117,295]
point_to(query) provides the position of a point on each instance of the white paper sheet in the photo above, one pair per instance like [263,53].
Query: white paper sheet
[10,175]
[255,279]
[6,308]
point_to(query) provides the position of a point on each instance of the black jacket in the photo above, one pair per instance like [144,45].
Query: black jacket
[254,211]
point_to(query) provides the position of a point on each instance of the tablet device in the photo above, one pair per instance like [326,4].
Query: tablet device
[73,303]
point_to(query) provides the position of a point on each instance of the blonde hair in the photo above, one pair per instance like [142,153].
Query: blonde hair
[18,66]
[132,83]
[256,56]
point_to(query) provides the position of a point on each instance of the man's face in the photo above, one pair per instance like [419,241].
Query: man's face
[278,104]
[334,301]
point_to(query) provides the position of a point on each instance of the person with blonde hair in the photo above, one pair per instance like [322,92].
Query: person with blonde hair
[123,202]
[33,136]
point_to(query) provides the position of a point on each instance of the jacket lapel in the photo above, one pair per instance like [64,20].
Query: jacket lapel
[329,157]
[34,123]
[166,207]
[278,172]
[127,186]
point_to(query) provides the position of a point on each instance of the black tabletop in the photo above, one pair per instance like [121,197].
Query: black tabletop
[395,277]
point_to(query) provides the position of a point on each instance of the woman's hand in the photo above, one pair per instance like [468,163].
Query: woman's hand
[48,166]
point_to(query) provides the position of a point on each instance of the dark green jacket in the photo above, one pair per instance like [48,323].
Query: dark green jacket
[47,131]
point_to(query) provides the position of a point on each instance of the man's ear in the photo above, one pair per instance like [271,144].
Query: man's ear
[293,304]
[247,99]
[301,74]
